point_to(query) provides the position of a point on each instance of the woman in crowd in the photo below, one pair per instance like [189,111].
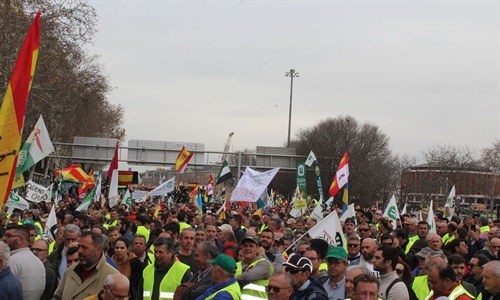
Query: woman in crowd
[128,264]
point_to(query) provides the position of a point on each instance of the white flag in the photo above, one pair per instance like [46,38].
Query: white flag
[330,230]
[349,213]
[51,225]
[37,193]
[430,219]
[97,194]
[36,147]
[392,211]
[113,189]
[318,209]
[450,200]
[127,199]
[16,201]
[404,210]
[252,184]
[163,189]
[142,199]
[310,159]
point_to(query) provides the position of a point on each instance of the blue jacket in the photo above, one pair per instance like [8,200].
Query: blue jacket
[313,291]
[220,296]
[10,287]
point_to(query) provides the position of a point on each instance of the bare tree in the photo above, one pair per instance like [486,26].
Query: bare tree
[490,158]
[370,159]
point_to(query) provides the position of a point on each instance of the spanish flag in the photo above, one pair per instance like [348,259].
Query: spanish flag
[182,160]
[74,172]
[14,107]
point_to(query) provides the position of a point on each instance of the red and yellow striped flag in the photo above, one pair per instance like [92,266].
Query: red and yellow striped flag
[182,160]
[14,107]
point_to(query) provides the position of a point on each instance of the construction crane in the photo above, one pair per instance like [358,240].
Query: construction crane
[226,147]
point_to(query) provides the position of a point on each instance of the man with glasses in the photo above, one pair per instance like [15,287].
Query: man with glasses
[115,288]
[40,248]
[351,273]
[391,287]
[353,248]
[475,276]
[225,285]
[280,286]
[336,260]
[23,263]
[315,258]
[364,231]
[365,286]
[57,258]
[304,286]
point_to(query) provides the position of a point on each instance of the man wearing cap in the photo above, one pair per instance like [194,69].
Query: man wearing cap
[292,224]
[349,227]
[385,260]
[336,260]
[160,280]
[421,283]
[305,287]
[411,227]
[254,271]
[225,285]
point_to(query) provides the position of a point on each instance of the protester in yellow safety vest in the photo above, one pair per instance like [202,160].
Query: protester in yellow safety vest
[443,283]
[451,231]
[422,231]
[225,284]
[420,283]
[113,217]
[160,280]
[142,221]
[254,271]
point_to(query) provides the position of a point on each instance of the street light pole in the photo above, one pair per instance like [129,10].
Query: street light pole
[290,74]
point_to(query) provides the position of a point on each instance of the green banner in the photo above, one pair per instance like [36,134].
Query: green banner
[317,174]
[301,177]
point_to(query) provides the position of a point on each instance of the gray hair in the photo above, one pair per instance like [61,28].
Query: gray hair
[363,269]
[72,228]
[288,277]
[115,279]
[495,265]
[432,255]
[209,247]
[4,254]
[186,229]
[105,242]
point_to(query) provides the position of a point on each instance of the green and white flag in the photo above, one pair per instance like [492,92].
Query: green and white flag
[36,147]
[391,211]
[16,201]
[127,199]
[86,202]
[310,159]
[430,219]
[301,177]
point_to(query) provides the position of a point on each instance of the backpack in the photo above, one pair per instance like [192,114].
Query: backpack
[411,293]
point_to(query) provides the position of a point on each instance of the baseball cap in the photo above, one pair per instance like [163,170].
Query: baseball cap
[291,221]
[350,220]
[423,253]
[224,261]
[297,261]
[250,238]
[225,227]
[336,252]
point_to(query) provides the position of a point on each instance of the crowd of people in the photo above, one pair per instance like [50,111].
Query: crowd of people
[150,252]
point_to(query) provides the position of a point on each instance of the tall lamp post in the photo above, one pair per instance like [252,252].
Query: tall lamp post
[290,74]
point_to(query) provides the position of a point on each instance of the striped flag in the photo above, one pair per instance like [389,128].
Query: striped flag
[341,177]
[224,173]
[76,173]
[182,160]
[14,107]
[113,177]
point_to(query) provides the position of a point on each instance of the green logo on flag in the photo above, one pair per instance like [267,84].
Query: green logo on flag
[170,184]
[392,213]
[14,197]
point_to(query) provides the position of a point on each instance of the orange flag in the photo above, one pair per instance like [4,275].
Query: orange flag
[14,107]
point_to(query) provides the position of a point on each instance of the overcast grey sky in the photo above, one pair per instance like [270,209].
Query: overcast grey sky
[425,72]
